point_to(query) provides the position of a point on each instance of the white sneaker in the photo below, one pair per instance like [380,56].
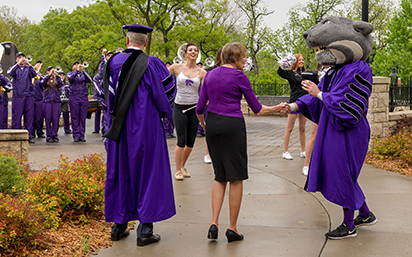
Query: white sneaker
[303,154]
[207,159]
[305,170]
[287,156]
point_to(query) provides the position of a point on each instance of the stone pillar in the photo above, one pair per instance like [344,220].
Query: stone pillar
[378,112]
[15,141]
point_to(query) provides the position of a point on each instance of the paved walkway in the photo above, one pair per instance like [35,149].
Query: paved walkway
[277,217]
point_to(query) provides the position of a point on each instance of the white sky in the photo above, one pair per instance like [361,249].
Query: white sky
[36,9]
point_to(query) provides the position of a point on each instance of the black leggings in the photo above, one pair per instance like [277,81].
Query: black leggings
[186,125]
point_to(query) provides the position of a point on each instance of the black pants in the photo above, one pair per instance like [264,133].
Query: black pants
[186,125]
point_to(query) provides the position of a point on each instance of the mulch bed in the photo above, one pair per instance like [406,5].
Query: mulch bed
[397,165]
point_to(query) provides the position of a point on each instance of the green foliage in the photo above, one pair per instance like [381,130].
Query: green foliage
[11,177]
[14,28]
[73,188]
[20,222]
[405,123]
[398,49]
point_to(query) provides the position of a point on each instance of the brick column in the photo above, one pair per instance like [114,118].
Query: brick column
[378,112]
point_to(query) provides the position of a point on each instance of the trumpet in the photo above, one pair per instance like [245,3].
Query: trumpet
[177,59]
[29,58]
[85,64]
[1,70]
[58,69]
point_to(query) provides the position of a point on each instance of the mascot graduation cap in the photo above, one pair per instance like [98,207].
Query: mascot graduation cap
[339,105]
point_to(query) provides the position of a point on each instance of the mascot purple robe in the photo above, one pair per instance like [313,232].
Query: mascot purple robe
[339,106]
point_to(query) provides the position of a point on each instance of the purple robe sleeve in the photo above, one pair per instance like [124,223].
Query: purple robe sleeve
[156,74]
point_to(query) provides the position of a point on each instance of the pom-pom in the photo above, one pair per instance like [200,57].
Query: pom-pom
[287,62]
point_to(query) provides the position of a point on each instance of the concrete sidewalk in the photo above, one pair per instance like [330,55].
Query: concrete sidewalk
[277,217]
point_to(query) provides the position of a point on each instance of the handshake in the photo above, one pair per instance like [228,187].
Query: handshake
[284,108]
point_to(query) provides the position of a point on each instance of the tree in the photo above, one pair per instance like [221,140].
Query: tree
[159,14]
[255,33]
[62,38]
[13,27]
[398,49]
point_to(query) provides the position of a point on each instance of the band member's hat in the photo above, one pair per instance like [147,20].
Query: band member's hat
[110,52]
[139,28]
[48,68]
[38,62]
[75,63]
[62,72]
[19,53]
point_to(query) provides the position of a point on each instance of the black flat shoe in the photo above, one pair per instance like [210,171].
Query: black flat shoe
[118,236]
[212,234]
[233,236]
[148,240]
[30,141]
[41,136]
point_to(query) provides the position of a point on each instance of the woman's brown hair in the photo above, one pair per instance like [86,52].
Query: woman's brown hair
[233,52]
[295,65]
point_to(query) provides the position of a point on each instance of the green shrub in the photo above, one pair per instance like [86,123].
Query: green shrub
[20,222]
[74,188]
[11,178]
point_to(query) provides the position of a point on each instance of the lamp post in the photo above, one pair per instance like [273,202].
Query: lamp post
[365,10]
[394,79]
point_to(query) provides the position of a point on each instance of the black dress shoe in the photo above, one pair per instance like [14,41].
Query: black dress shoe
[30,141]
[76,140]
[82,140]
[233,236]
[118,236]
[41,136]
[33,136]
[56,140]
[49,140]
[148,240]
[95,132]
[212,234]
[68,132]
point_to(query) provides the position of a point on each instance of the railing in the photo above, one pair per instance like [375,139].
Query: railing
[400,94]
[271,88]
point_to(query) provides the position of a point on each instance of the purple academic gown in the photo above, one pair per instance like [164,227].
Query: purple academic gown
[38,108]
[51,106]
[100,95]
[78,101]
[22,102]
[6,85]
[168,124]
[138,181]
[343,133]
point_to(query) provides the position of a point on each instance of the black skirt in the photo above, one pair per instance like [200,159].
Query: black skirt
[226,140]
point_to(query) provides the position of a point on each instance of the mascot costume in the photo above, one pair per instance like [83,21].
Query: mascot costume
[339,105]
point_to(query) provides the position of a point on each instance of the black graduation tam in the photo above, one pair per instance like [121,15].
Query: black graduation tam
[19,53]
[139,28]
[75,63]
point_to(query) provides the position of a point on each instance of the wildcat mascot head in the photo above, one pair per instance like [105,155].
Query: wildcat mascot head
[338,40]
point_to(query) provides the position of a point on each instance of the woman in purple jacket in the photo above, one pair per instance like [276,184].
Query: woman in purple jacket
[226,132]
[51,84]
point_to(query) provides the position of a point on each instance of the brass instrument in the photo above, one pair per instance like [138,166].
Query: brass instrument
[1,70]
[177,59]
[33,80]
[210,61]
[58,69]
[2,88]
[85,64]
[181,55]
[29,58]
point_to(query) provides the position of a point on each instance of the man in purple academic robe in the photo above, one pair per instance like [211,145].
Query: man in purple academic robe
[78,100]
[138,182]
[6,86]
[38,119]
[22,103]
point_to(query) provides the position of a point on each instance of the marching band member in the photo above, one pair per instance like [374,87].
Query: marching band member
[5,122]
[38,104]
[66,91]
[22,104]
[5,87]
[51,84]
[78,100]
[188,79]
